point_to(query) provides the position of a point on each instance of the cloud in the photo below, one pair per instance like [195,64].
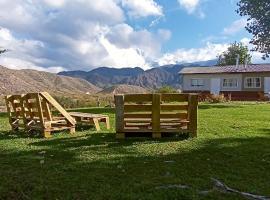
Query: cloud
[235,27]
[192,7]
[78,34]
[208,52]
[142,8]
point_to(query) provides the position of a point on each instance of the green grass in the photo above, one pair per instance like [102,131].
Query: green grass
[233,146]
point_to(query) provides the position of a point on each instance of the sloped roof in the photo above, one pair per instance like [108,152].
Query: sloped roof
[226,69]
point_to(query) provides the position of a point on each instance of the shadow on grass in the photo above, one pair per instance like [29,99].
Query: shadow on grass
[96,166]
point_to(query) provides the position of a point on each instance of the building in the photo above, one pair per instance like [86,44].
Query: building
[250,82]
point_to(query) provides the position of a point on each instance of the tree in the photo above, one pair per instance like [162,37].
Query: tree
[234,50]
[258,12]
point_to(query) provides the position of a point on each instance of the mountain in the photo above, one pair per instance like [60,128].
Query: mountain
[123,89]
[105,76]
[152,79]
[23,81]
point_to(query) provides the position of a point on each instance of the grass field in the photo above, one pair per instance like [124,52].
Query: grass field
[233,146]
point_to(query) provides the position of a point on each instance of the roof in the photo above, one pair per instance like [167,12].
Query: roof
[226,69]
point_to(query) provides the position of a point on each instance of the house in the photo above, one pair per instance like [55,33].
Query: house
[243,82]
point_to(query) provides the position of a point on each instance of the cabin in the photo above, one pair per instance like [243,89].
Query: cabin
[242,82]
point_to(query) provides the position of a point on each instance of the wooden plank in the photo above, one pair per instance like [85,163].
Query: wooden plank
[171,107]
[119,114]
[174,115]
[138,115]
[137,107]
[58,107]
[156,116]
[174,97]
[39,106]
[138,98]
[193,114]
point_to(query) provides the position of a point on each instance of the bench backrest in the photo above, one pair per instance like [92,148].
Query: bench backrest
[156,112]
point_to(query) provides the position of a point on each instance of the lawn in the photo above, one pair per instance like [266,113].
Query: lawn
[233,146]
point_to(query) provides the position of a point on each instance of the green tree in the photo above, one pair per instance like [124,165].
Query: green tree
[258,13]
[166,89]
[234,50]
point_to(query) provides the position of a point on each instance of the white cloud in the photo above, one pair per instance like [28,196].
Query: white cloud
[235,27]
[209,52]
[189,5]
[192,7]
[72,33]
[142,8]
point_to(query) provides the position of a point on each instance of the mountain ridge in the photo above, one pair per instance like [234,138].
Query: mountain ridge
[153,78]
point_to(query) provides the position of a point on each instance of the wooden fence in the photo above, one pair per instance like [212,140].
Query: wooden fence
[156,113]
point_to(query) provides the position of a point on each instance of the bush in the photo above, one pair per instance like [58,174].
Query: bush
[216,98]
[166,89]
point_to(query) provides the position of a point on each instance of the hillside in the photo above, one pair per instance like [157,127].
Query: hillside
[123,89]
[22,81]
[153,78]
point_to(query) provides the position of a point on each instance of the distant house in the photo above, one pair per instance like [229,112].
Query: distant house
[251,82]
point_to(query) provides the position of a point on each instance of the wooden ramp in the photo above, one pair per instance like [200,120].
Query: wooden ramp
[156,114]
[34,110]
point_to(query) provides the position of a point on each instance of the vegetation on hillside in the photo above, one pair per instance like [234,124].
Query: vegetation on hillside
[235,50]
[166,89]
[258,13]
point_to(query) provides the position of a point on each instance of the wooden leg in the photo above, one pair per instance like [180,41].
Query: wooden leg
[96,124]
[108,123]
[72,130]
[47,134]
[193,134]
[156,135]
[120,136]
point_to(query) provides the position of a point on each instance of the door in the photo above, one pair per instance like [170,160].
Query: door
[267,85]
[215,86]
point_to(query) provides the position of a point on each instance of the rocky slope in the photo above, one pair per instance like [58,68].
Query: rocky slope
[22,81]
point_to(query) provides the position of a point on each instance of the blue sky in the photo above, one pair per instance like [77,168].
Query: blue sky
[84,34]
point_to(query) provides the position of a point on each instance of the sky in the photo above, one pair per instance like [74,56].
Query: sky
[57,35]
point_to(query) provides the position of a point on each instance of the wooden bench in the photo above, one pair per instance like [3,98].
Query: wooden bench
[156,114]
[91,119]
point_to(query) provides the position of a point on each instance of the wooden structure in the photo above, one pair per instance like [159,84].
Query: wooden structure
[156,113]
[15,111]
[32,111]
[93,119]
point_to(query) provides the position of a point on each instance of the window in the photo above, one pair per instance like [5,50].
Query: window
[197,82]
[253,82]
[230,83]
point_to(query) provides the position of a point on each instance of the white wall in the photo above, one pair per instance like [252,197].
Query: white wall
[207,81]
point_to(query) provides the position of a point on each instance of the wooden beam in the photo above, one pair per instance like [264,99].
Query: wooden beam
[193,114]
[58,107]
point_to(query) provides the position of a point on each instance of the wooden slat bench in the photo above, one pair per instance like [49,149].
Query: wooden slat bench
[156,114]
[91,119]
[32,111]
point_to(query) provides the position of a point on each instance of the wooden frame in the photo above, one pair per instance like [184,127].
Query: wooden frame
[156,113]
[93,119]
[34,110]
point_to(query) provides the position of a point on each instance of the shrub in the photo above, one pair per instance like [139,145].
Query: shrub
[216,98]
[166,89]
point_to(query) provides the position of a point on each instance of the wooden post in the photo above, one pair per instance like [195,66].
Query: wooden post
[192,114]
[156,116]
[119,116]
